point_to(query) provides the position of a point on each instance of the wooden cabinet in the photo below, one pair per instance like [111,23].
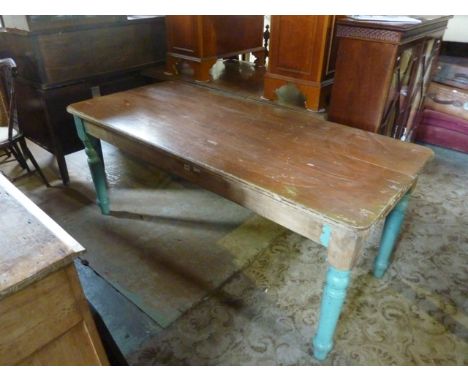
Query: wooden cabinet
[302,52]
[64,59]
[201,40]
[44,315]
[382,73]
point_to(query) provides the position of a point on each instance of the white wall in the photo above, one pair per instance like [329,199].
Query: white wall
[457,29]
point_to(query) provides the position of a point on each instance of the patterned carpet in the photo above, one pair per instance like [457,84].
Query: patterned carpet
[416,315]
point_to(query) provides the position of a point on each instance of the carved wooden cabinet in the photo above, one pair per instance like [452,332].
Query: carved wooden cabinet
[302,52]
[382,72]
[201,40]
[65,59]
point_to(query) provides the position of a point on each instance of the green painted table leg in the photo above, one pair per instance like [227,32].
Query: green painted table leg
[390,233]
[96,165]
[334,294]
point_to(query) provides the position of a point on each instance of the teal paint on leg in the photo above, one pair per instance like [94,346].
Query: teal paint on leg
[390,233]
[334,294]
[325,236]
[96,165]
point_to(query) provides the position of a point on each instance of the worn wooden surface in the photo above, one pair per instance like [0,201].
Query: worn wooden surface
[341,175]
[49,323]
[32,245]
[44,316]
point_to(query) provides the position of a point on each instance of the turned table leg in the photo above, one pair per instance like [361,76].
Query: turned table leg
[343,249]
[96,165]
[390,233]
[334,294]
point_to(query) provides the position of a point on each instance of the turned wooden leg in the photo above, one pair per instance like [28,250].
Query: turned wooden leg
[96,165]
[390,234]
[343,249]
[334,294]
[201,70]
[260,57]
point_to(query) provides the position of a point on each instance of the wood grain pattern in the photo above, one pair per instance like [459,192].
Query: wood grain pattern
[33,245]
[28,324]
[49,323]
[382,72]
[302,52]
[348,176]
[200,40]
[44,316]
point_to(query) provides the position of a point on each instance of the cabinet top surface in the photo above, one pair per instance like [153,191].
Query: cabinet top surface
[343,174]
[32,245]
[426,21]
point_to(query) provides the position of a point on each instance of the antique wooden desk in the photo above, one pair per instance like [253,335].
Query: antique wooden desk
[328,182]
[44,316]
[66,59]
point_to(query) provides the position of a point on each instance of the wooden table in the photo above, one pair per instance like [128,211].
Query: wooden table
[327,182]
[44,316]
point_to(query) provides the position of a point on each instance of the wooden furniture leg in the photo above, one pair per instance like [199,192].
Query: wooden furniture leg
[96,165]
[334,294]
[30,156]
[260,56]
[390,233]
[343,250]
[171,66]
[201,70]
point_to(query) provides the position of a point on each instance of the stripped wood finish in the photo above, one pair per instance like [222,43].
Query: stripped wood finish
[44,315]
[287,155]
[33,245]
[328,182]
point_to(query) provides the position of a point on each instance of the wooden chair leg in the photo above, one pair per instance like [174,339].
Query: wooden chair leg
[19,157]
[29,155]
[6,153]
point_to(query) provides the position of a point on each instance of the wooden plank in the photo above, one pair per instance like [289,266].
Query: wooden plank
[34,316]
[348,176]
[33,245]
[74,348]
[89,332]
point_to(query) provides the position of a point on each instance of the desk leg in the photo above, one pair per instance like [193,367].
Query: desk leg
[391,230]
[334,294]
[96,165]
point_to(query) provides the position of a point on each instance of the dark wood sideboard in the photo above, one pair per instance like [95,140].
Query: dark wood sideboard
[200,40]
[302,52]
[65,59]
[382,73]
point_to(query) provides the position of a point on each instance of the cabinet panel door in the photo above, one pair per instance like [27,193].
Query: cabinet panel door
[297,45]
[183,34]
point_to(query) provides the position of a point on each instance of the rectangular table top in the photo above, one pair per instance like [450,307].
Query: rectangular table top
[350,176]
[32,245]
